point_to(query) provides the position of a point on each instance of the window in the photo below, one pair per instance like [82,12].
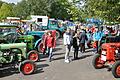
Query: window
[39,19]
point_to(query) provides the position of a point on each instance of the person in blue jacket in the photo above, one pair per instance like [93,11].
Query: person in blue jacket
[97,36]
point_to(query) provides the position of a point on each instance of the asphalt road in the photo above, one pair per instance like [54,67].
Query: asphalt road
[80,69]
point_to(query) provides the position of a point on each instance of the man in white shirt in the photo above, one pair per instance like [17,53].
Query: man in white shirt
[67,37]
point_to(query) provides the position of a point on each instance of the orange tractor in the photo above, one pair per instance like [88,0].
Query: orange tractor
[109,55]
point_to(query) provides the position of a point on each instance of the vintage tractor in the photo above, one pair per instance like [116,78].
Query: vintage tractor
[9,35]
[14,55]
[32,53]
[109,56]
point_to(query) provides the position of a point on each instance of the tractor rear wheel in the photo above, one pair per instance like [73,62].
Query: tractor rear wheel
[33,55]
[40,47]
[27,67]
[96,62]
[116,69]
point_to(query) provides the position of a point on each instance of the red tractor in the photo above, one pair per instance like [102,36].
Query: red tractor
[109,55]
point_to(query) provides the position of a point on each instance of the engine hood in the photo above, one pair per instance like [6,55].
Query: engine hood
[13,45]
[107,45]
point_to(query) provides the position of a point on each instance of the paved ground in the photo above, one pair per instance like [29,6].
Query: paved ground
[81,69]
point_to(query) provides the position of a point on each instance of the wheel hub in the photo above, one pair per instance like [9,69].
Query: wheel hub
[33,56]
[28,68]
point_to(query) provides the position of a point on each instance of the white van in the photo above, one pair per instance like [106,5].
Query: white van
[40,20]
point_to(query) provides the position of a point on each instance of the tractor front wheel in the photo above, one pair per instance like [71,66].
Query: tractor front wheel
[27,67]
[116,69]
[96,62]
[33,55]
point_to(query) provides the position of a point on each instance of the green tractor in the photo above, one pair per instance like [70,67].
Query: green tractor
[9,34]
[32,53]
[15,54]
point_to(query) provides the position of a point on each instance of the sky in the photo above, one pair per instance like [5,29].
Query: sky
[12,1]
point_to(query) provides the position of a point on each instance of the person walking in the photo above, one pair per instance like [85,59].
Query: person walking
[97,36]
[44,41]
[89,37]
[75,45]
[50,44]
[82,39]
[67,38]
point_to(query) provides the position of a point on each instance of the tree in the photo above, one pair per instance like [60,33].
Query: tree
[39,7]
[1,2]
[22,9]
[26,8]
[105,9]
[6,10]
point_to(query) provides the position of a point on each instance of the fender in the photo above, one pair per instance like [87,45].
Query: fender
[37,42]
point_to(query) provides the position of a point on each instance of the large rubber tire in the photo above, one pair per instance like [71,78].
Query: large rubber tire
[57,35]
[27,67]
[33,55]
[116,69]
[96,63]
[40,47]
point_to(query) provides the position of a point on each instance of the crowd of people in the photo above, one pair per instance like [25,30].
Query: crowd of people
[79,37]
[76,39]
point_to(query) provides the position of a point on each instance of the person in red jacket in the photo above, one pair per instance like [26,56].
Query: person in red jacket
[50,44]
[45,43]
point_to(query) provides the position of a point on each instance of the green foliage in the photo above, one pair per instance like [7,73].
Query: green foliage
[21,9]
[6,10]
[59,9]
[39,7]
[105,9]
[108,10]
[1,2]
[26,8]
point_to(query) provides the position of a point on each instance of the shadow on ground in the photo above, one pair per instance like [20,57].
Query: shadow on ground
[59,58]
[42,65]
[12,71]
[40,68]
[83,56]
[58,54]
[57,49]
[8,72]
[89,50]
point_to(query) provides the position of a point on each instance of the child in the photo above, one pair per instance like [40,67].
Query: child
[75,46]
[50,44]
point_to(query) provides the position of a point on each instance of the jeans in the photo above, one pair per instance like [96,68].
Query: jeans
[50,53]
[68,48]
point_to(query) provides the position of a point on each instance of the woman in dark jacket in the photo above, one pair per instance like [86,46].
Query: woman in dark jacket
[75,45]
[82,39]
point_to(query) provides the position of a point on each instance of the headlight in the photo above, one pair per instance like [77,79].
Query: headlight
[116,51]
[104,52]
